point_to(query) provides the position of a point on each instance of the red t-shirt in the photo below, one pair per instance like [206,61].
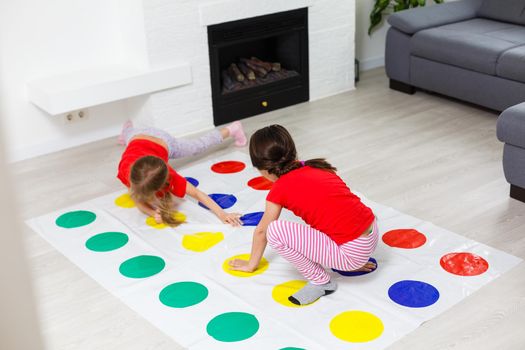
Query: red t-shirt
[323,201]
[139,148]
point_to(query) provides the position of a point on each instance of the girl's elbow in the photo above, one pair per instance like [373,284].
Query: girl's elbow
[260,233]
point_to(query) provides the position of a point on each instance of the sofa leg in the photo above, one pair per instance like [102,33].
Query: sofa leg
[403,87]
[517,193]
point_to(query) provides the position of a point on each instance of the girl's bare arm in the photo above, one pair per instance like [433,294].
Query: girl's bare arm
[146,208]
[228,218]
[271,213]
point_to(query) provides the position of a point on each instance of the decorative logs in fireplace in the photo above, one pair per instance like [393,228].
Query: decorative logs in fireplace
[250,72]
[273,70]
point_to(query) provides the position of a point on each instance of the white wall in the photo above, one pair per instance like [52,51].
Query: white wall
[19,327]
[332,47]
[370,50]
[43,38]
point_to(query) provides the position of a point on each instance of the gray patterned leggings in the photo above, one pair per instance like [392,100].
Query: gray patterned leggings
[177,147]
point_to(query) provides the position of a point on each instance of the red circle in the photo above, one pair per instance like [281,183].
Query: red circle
[406,238]
[260,183]
[464,264]
[228,167]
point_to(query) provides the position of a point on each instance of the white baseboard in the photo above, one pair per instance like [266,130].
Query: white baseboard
[371,63]
[23,153]
[33,151]
[320,97]
[52,146]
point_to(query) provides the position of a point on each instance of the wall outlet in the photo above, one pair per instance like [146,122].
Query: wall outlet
[76,116]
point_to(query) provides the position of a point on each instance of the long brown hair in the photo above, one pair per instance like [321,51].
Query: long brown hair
[148,176]
[272,149]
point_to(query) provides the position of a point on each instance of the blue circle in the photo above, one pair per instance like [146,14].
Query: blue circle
[252,219]
[357,273]
[192,181]
[224,201]
[413,293]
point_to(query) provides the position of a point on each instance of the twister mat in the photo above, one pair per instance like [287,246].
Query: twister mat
[178,279]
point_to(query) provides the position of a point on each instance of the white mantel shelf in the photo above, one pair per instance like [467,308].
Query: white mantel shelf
[99,85]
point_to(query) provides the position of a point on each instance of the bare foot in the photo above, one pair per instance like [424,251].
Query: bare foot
[369,266]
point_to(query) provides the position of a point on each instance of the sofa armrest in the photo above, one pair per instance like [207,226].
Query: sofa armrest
[414,20]
[511,125]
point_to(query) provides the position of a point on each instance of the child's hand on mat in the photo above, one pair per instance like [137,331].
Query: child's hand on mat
[157,217]
[241,265]
[231,218]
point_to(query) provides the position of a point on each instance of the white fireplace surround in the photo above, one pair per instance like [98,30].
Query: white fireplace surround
[152,36]
[177,31]
[221,11]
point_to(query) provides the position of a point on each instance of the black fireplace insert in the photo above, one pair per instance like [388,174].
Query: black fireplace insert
[258,64]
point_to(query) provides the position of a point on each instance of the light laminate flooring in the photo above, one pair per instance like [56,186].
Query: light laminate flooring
[428,156]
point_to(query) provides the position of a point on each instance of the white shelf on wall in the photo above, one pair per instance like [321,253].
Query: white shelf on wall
[76,90]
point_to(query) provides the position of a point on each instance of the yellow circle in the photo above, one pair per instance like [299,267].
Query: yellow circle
[281,292]
[180,217]
[201,241]
[356,326]
[263,266]
[125,201]
[150,220]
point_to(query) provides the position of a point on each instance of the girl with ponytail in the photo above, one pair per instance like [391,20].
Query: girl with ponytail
[153,184]
[340,231]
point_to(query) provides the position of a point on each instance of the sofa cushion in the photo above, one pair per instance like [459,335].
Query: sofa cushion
[512,11]
[511,65]
[474,44]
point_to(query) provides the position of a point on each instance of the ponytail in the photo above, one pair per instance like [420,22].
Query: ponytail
[165,206]
[320,163]
[286,166]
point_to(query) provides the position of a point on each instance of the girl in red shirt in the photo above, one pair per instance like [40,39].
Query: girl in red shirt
[341,231]
[153,183]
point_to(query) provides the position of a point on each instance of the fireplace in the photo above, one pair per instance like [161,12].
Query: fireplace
[258,64]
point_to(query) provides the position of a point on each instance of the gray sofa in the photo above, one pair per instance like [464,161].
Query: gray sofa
[511,131]
[473,50]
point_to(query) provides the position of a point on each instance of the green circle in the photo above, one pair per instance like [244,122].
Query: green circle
[142,266]
[232,326]
[75,219]
[183,294]
[107,241]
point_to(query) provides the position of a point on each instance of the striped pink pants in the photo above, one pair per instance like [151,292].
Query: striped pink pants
[309,249]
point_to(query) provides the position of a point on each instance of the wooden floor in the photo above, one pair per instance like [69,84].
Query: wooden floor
[425,155]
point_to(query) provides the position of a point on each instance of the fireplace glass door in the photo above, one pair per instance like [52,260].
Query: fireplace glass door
[258,64]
